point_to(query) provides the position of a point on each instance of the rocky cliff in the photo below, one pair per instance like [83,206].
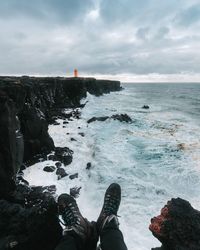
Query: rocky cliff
[27,106]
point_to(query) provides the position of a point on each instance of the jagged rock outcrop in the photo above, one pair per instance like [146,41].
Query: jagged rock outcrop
[177,227]
[31,220]
[119,117]
[146,107]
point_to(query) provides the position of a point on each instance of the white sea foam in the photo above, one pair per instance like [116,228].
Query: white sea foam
[143,157]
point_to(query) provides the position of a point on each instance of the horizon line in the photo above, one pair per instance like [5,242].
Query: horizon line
[124,78]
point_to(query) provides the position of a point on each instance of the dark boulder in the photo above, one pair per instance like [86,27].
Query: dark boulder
[89,165]
[101,119]
[119,117]
[58,164]
[67,159]
[122,118]
[81,134]
[75,191]
[49,169]
[73,176]
[63,155]
[178,226]
[145,107]
[61,173]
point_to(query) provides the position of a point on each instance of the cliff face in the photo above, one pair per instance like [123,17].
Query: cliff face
[31,103]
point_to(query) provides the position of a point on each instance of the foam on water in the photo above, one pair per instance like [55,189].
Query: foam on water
[153,159]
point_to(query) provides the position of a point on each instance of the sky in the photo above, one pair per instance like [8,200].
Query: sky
[129,40]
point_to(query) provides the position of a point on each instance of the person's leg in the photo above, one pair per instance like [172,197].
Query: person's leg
[111,237]
[70,242]
[66,243]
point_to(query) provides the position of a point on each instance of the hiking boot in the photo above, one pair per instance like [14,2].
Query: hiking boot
[73,220]
[110,207]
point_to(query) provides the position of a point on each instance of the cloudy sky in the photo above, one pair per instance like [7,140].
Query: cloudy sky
[135,40]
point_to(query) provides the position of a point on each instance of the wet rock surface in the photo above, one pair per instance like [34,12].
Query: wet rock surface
[119,117]
[63,155]
[178,226]
[75,191]
[89,165]
[145,107]
[49,169]
[61,173]
[73,176]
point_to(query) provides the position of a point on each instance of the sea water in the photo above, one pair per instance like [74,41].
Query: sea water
[154,158]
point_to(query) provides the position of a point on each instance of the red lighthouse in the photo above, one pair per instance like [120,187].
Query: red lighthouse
[75,73]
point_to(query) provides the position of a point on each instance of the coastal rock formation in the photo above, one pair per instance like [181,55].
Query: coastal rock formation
[177,227]
[49,169]
[38,101]
[8,150]
[62,155]
[31,220]
[119,117]
[28,215]
[146,107]
[61,173]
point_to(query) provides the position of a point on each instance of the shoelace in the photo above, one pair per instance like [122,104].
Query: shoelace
[72,220]
[111,204]
[71,215]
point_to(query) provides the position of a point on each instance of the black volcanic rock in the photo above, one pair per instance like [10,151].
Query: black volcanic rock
[28,213]
[35,130]
[38,99]
[178,226]
[8,151]
[75,192]
[119,117]
[81,134]
[34,224]
[73,176]
[145,107]
[63,155]
[49,169]
[89,165]
[122,118]
[101,119]
[61,173]
[58,164]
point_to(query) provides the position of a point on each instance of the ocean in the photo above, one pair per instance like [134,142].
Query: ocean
[154,158]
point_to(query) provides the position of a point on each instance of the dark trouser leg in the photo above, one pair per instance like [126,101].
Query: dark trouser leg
[112,238]
[70,242]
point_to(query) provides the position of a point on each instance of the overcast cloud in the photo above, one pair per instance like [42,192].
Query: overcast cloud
[146,38]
